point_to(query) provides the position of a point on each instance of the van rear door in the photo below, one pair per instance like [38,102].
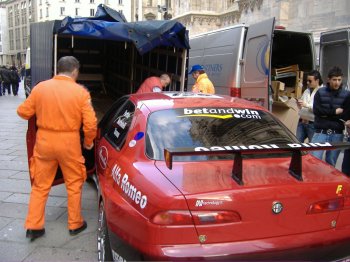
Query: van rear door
[257,63]
[335,50]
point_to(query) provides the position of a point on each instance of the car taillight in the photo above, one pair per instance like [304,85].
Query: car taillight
[179,217]
[328,206]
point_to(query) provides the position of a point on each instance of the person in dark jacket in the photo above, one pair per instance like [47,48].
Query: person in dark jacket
[6,78]
[329,104]
[15,79]
[346,160]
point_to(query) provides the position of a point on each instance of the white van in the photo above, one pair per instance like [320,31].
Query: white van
[242,60]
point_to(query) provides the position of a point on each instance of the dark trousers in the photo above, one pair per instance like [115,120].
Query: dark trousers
[6,86]
[345,168]
[15,87]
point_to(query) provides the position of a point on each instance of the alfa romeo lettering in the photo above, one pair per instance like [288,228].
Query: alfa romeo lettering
[129,189]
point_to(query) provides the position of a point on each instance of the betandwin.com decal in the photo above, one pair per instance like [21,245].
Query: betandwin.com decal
[222,113]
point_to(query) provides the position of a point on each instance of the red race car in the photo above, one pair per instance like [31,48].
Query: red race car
[185,176]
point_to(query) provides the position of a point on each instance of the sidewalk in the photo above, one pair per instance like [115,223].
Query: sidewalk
[57,244]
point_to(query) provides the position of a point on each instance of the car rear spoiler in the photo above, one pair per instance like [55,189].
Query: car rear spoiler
[296,149]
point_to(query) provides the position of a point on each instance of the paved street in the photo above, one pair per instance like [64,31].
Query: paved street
[57,244]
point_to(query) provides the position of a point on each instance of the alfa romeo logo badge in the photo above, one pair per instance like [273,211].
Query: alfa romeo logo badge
[277,207]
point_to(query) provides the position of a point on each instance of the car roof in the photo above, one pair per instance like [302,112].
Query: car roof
[167,100]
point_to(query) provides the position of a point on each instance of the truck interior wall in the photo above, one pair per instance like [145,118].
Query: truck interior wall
[292,48]
[111,69]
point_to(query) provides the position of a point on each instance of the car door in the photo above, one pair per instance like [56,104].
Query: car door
[111,156]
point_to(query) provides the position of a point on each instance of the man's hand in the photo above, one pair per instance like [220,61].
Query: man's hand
[339,111]
[89,147]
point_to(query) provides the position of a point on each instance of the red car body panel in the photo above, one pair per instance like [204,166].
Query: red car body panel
[208,186]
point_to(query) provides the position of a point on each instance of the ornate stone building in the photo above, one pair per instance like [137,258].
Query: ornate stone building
[299,15]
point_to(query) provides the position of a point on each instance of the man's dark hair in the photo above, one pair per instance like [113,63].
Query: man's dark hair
[335,71]
[67,64]
[316,75]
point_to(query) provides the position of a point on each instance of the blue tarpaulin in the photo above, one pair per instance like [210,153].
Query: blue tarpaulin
[111,25]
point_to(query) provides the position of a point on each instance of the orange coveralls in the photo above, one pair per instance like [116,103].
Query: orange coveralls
[151,84]
[60,106]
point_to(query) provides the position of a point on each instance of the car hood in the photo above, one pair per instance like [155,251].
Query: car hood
[209,186]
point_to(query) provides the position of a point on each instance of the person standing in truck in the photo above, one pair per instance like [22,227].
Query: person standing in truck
[154,84]
[328,109]
[61,107]
[203,83]
[306,127]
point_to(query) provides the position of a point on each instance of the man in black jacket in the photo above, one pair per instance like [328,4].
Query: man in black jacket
[346,160]
[6,78]
[328,109]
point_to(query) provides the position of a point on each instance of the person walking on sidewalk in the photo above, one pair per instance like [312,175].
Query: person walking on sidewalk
[61,106]
[6,80]
[15,79]
[328,109]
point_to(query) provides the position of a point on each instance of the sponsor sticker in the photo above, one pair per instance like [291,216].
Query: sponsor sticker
[222,113]
[202,202]
[117,257]
[132,143]
[339,190]
[103,157]
[269,146]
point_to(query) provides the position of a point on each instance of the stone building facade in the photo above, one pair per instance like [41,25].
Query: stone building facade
[298,15]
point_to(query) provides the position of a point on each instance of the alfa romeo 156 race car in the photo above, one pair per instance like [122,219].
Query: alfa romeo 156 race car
[188,176]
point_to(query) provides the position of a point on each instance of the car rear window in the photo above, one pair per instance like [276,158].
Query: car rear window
[206,127]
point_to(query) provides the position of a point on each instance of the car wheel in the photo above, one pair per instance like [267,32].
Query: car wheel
[103,245]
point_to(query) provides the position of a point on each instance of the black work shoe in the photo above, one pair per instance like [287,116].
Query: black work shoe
[35,233]
[74,232]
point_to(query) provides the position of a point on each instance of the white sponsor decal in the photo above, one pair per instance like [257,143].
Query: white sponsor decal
[201,202]
[121,119]
[194,95]
[223,148]
[129,189]
[132,143]
[116,256]
[237,113]
[103,157]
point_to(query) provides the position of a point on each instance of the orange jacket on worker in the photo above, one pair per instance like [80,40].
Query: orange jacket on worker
[151,84]
[63,106]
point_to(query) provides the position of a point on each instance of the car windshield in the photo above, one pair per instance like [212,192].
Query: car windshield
[206,127]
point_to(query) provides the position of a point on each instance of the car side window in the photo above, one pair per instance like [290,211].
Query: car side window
[109,116]
[118,128]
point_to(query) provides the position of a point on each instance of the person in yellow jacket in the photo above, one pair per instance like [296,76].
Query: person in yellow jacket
[61,106]
[203,83]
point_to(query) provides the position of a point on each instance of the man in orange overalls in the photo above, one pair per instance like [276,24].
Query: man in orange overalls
[61,106]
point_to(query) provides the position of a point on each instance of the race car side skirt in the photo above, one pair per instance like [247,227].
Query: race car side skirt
[295,167]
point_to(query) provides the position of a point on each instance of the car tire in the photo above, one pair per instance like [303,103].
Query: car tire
[104,252]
